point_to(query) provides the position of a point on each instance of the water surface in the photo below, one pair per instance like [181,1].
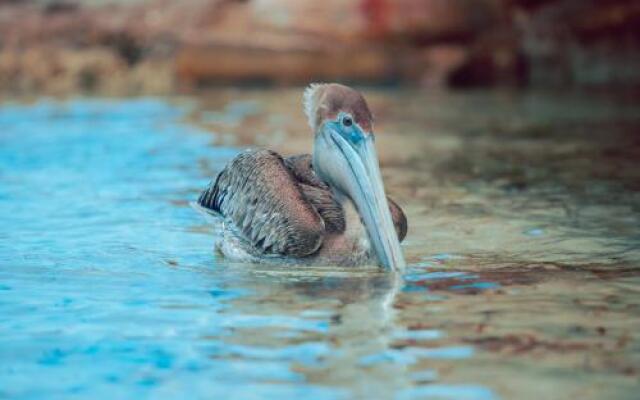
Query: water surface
[524,253]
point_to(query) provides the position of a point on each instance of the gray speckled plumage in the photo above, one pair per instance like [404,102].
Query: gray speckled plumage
[279,206]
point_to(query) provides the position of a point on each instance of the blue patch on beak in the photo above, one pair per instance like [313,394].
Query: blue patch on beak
[352,133]
[356,136]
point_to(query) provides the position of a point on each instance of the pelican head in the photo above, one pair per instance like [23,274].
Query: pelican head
[344,156]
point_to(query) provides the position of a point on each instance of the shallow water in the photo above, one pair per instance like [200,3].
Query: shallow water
[524,253]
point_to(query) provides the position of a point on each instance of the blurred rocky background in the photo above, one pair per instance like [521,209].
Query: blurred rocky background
[165,46]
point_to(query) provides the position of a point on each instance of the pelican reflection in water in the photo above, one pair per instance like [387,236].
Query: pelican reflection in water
[325,208]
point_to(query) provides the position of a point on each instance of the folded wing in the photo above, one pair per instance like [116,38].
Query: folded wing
[262,198]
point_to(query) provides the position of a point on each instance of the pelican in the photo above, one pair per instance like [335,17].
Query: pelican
[326,208]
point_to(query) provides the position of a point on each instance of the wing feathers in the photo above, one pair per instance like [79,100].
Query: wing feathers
[258,193]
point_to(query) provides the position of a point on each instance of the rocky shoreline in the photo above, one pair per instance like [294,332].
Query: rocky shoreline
[160,46]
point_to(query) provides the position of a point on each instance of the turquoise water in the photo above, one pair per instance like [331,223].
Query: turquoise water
[105,286]
[109,288]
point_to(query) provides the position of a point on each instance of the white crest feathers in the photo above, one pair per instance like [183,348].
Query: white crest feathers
[309,102]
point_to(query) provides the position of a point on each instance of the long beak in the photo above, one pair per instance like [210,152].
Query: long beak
[364,185]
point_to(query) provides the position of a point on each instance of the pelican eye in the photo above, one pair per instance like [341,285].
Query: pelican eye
[347,121]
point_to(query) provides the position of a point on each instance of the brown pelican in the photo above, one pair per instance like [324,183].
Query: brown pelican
[325,208]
